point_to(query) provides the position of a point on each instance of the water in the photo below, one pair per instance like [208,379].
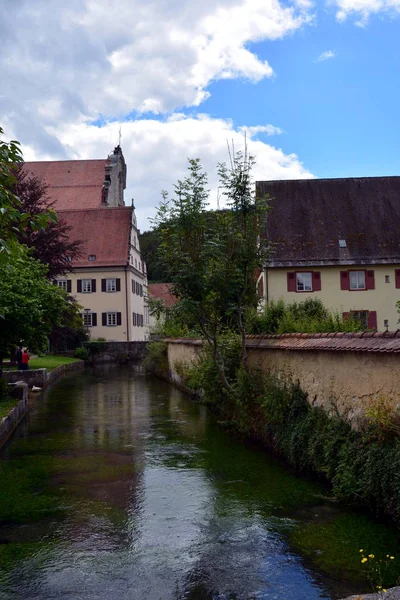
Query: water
[121,487]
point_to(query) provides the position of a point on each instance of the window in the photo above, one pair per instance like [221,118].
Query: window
[137,289]
[387,278]
[304,282]
[86,286]
[141,290]
[111,319]
[357,280]
[92,257]
[361,316]
[111,285]
[63,283]
[134,240]
[135,263]
[134,319]
[87,319]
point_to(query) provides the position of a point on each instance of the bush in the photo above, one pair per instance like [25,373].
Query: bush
[156,359]
[308,316]
[81,353]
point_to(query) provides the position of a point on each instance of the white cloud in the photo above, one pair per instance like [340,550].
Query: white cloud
[156,153]
[363,9]
[326,55]
[71,61]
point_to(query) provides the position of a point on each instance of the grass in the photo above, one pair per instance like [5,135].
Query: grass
[6,406]
[49,362]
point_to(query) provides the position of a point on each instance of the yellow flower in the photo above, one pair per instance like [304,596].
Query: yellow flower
[363,551]
[384,590]
[371,555]
[392,558]
[364,560]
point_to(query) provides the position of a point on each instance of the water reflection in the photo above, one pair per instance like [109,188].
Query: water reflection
[121,487]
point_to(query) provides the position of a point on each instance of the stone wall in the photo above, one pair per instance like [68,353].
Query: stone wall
[9,423]
[340,372]
[41,377]
[120,352]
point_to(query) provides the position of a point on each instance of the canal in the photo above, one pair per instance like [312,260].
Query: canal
[120,487]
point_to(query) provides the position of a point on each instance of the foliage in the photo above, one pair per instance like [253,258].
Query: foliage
[30,306]
[306,316]
[82,353]
[51,245]
[383,414]
[149,243]
[156,359]
[212,264]
[13,218]
[71,333]
[378,570]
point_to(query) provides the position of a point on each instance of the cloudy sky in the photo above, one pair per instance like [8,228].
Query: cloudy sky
[314,83]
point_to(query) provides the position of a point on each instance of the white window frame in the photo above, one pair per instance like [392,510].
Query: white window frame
[357,280]
[111,319]
[87,319]
[111,285]
[304,281]
[86,286]
[63,284]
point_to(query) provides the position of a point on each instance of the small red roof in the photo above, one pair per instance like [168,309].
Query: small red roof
[104,233]
[72,184]
[163,292]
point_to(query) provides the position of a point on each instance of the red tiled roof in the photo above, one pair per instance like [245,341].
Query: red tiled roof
[388,341]
[162,291]
[104,232]
[72,184]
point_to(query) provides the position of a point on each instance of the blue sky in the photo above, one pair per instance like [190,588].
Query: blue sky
[181,78]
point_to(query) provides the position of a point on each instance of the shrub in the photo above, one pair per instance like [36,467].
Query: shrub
[81,353]
[307,316]
[156,359]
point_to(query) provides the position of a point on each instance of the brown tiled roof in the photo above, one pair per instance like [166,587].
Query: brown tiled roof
[162,291]
[309,217]
[104,232]
[388,341]
[72,184]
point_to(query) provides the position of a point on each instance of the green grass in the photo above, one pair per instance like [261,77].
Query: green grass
[6,406]
[49,362]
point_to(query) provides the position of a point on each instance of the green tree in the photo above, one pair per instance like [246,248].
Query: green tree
[211,263]
[30,306]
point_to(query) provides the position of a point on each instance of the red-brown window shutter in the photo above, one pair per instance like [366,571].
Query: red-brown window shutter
[344,280]
[397,274]
[316,281]
[372,320]
[291,282]
[370,280]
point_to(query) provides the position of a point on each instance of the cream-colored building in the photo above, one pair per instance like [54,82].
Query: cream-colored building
[109,278]
[337,240]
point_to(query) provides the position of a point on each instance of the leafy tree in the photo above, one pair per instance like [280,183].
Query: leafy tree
[211,264]
[13,218]
[30,306]
[50,245]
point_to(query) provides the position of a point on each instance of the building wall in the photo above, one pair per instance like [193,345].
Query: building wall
[100,302]
[382,299]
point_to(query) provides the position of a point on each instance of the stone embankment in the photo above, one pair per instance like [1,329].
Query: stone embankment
[391,594]
[20,382]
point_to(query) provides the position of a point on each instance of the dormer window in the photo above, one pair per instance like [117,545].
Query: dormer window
[92,257]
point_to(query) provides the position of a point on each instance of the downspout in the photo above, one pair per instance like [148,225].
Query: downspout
[266,286]
[126,303]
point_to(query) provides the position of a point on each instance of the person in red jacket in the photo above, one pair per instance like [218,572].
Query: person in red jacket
[25,359]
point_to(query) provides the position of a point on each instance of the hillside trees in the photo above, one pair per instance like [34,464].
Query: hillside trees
[211,264]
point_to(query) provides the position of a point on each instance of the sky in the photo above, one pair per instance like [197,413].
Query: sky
[313,85]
